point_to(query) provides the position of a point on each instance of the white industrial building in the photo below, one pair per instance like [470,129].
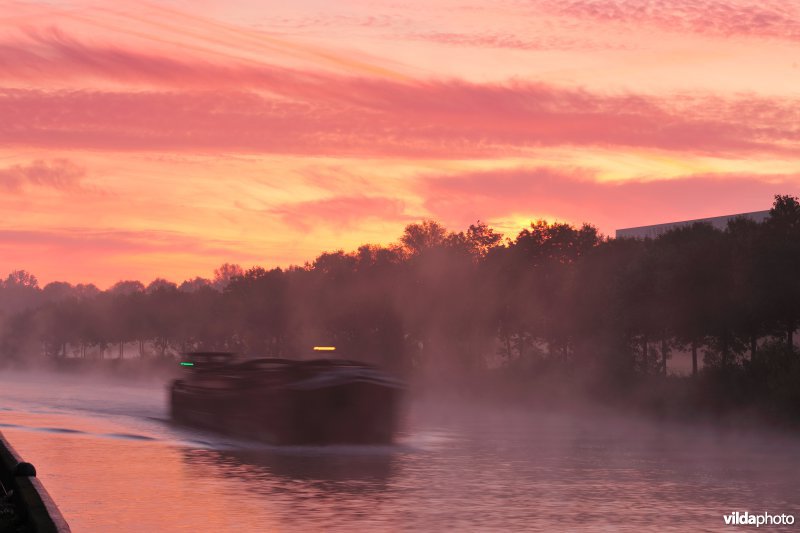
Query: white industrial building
[721,222]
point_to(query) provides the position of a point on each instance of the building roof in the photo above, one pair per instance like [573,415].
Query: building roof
[653,231]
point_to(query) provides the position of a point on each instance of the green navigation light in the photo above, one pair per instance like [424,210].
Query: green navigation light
[187,364]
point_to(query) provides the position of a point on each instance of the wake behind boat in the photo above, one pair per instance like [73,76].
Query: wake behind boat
[282,401]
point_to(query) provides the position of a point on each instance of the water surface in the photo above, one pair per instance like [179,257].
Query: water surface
[112,462]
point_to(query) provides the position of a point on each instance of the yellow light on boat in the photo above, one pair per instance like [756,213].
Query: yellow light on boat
[324,348]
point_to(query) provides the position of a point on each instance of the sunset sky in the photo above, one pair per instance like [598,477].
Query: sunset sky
[142,140]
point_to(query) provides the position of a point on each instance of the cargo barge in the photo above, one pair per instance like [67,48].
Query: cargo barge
[25,505]
[287,402]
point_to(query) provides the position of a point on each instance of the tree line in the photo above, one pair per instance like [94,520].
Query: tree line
[462,303]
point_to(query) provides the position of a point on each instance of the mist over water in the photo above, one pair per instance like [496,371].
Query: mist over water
[113,463]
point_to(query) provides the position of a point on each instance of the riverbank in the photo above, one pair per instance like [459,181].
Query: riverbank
[730,398]
[151,369]
[733,397]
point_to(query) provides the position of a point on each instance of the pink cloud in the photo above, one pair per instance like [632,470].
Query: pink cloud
[59,174]
[509,40]
[104,256]
[79,241]
[53,55]
[190,104]
[574,195]
[403,28]
[384,119]
[340,212]
[766,18]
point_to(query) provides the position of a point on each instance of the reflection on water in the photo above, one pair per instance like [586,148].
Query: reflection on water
[311,489]
[343,469]
[117,468]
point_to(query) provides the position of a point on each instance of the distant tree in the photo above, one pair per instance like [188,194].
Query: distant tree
[57,290]
[128,308]
[749,295]
[60,323]
[422,236]
[19,292]
[370,257]
[194,284]
[540,259]
[86,290]
[22,279]
[557,302]
[603,306]
[127,287]
[19,335]
[160,284]
[163,305]
[640,293]
[481,239]
[259,302]
[335,264]
[225,274]
[207,321]
[782,250]
[689,265]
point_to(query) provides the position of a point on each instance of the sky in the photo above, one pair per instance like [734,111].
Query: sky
[161,139]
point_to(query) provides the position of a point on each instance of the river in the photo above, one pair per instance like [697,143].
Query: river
[113,463]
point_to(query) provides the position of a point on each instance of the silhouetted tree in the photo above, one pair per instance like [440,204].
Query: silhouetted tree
[426,235]
[782,248]
[225,274]
[555,300]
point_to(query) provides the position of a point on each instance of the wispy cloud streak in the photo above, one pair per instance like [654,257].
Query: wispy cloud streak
[380,118]
[117,241]
[341,212]
[766,18]
[574,194]
[59,174]
[157,100]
